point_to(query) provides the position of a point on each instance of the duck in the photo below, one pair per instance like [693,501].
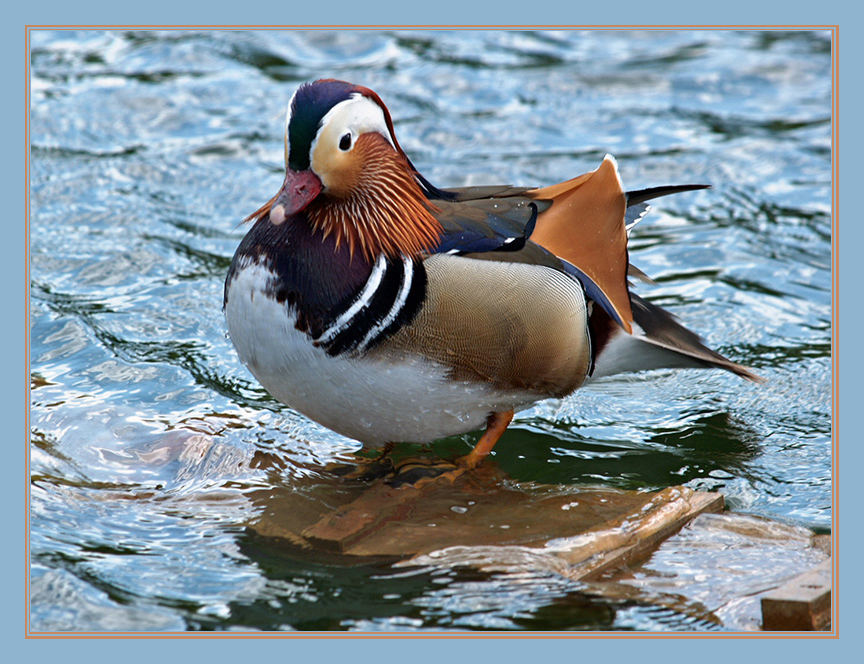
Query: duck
[390,310]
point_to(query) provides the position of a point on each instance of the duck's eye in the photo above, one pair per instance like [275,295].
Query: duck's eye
[345,142]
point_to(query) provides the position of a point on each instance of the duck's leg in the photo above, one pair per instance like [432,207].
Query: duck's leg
[417,473]
[496,424]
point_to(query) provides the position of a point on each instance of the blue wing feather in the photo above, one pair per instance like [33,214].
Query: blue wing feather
[481,231]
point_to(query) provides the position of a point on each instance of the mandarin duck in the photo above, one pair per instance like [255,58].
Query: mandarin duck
[390,310]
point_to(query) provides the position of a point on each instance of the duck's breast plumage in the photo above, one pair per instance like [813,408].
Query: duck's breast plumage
[489,336]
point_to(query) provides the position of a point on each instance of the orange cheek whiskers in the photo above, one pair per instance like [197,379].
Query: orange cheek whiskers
[386,212]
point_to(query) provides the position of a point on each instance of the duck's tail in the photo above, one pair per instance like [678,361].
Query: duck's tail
[587,224]
[658,341]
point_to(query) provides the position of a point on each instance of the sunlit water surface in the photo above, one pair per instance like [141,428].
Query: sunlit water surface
[152,446]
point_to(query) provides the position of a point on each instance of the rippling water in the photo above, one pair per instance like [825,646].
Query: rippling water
[153,449]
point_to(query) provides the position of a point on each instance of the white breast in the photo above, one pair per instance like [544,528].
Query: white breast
[372,399]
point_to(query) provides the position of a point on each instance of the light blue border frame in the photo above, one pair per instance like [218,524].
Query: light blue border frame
[440,12]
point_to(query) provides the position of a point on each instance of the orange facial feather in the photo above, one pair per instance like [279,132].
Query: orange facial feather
[379,207]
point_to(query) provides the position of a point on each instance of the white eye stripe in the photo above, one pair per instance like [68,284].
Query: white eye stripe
[356,115]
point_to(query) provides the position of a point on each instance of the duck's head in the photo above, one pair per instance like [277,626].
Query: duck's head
[346,174]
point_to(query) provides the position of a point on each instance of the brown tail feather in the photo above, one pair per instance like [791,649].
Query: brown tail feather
[585,226]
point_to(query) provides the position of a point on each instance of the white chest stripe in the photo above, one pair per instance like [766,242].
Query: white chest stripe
[401,298]
[363,298]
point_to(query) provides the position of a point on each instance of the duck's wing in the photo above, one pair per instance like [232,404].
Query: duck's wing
[581,223]
[500,229]
[580,227]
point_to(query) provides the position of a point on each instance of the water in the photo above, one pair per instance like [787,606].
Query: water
[154,453]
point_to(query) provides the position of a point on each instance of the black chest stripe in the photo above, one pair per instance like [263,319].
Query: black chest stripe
[389,299]
[360,302]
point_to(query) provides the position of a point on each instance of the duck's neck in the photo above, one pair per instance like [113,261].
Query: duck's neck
[384,211]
